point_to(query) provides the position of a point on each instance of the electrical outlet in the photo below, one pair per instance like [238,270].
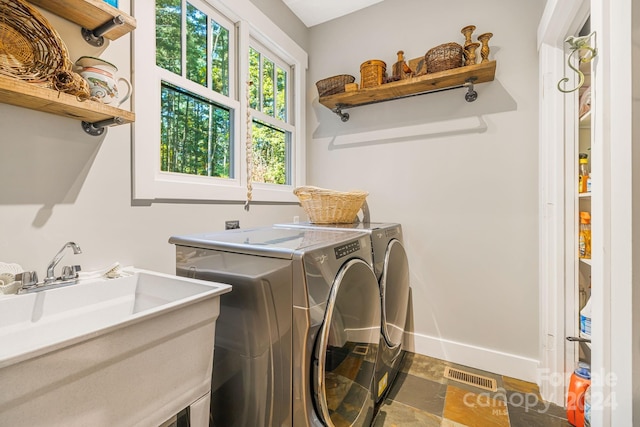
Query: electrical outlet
[230,225]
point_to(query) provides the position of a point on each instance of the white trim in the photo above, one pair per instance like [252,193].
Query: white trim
[497,362]
[558,277]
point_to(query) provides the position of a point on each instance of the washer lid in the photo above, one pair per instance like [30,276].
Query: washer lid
[347,348]
[278,242]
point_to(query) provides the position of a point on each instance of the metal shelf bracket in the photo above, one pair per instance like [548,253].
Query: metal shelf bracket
[471,94]
[343,116]
[98,128]
[94,37]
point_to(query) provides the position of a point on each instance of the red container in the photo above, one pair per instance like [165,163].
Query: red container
[580,381]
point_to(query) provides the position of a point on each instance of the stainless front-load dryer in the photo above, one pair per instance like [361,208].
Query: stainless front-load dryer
[297,338]
[390,264]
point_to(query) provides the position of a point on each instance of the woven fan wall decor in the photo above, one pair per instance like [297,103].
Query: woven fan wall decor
[30,49]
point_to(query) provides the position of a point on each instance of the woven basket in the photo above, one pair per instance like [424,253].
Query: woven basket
[372,73]
[30,49]
[329,206]
[444,57]
[333,85]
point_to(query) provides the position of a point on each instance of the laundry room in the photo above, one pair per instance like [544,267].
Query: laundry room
[190,174]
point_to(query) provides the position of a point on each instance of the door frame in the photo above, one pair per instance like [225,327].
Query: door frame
[557,166]
[614,326]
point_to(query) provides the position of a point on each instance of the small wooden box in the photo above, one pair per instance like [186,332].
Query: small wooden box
[351,87]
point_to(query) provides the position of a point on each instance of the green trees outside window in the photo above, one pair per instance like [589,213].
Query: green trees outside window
[196,131]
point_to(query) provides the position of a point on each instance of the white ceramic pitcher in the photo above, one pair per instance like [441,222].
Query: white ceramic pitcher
[102,79]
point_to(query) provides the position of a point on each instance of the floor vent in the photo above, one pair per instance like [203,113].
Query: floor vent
[361,350]
[470,379]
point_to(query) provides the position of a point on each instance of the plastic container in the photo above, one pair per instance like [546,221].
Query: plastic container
[584,243]
[583,172]
[587,407]
[585,320]
[580,381]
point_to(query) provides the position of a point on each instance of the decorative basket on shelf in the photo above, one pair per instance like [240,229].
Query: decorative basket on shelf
[444,57]
[326,206]
[333,85]
[372,73]
[30,49]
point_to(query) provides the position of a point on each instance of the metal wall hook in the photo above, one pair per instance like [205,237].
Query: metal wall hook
[578,44]
[94,37]
[98,128]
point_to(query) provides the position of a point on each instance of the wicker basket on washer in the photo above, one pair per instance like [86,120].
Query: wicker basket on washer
[444,57]
[372,73]
[326,206]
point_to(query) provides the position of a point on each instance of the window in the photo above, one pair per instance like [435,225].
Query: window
[268,103]
[202,130]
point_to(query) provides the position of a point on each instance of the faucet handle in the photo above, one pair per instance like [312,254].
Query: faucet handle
[70,272]
[29,279]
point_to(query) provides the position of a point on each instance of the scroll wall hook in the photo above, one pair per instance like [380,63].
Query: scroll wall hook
[578,44]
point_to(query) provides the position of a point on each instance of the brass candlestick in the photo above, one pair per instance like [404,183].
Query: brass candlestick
[470,53]
[484,50]
[467,31]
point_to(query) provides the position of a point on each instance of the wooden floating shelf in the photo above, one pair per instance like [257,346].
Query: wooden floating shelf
[449,79]
[89,14]
[29,95]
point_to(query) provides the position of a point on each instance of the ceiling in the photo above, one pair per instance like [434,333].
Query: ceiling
[314,12]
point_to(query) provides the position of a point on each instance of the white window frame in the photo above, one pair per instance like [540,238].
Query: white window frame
[149,182]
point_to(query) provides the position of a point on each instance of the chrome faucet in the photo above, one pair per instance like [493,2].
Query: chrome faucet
[69,275]
[51,277]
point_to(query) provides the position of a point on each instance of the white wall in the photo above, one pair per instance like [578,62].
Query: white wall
[60,184]
[460,177]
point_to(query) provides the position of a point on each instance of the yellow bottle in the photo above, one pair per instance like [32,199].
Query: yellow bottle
[585,235]
[583,173]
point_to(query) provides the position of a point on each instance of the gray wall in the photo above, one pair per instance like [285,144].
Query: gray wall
[284,18]
[460,177]
[59,184]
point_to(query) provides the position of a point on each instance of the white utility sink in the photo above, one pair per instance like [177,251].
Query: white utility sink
[131,351]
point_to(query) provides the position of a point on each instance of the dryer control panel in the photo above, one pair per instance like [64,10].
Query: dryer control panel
[347,249]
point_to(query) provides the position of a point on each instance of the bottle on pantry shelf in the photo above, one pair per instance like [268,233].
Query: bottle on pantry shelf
[583,173]
[580,381]
[584,238]
[585,320]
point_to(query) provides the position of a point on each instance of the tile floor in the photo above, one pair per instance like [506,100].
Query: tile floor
[422,397]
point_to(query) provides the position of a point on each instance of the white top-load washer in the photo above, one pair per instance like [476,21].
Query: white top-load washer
[390,264]
[297,338]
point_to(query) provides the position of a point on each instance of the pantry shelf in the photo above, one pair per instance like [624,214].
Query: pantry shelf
[465,76]
[90,14]
[28,95]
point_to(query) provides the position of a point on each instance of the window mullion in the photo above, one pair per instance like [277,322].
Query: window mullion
[244,120]
[183,39]
[209,51]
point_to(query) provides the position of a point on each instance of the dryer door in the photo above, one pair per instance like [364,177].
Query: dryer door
[347,347]
[394,289]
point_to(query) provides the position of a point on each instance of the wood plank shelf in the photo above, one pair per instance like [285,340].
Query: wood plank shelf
[28,95]
[89,14]
[465,76]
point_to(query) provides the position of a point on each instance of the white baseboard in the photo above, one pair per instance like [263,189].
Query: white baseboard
[497,362]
